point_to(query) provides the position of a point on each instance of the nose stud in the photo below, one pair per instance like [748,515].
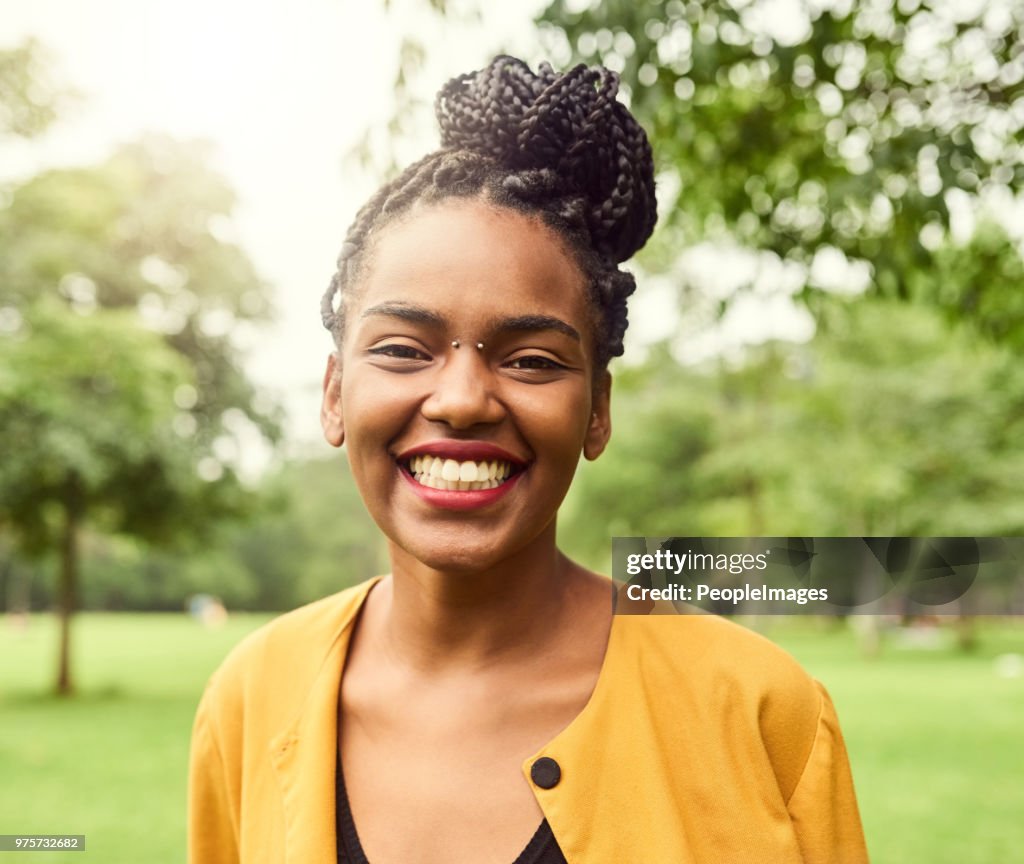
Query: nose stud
[457,344]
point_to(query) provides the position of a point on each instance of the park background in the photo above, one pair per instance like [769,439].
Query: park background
[825,341]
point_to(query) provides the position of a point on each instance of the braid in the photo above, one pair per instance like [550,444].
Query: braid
[402,190]
[558,146]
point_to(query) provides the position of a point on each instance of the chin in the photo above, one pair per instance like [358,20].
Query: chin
[454,558]
[457,550]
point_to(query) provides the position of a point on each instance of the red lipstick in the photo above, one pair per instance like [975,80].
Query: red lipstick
[469,499]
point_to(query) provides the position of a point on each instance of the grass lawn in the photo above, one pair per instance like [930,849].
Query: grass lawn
[936,738]
[110,763]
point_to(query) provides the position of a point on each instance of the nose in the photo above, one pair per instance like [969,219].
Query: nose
[463,393]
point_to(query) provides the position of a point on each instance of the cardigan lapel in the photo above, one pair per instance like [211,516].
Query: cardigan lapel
[305,756]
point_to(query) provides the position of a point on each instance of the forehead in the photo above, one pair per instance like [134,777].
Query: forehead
[469,260]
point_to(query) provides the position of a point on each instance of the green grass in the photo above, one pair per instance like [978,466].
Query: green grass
[110,763]
[936,741]
[936,738]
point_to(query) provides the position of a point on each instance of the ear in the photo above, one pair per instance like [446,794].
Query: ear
[600,428]
[331,420]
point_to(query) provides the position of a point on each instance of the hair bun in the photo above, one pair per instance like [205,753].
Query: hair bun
[568,123]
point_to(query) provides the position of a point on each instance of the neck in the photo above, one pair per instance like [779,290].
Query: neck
[435,619]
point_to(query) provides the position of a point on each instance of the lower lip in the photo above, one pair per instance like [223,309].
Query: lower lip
[469,499]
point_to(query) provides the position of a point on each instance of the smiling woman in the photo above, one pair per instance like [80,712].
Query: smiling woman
[481,702]
[453,274]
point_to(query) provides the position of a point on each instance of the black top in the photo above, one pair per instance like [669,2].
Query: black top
[542,848]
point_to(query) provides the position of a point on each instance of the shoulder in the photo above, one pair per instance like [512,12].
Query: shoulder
[702,645]
[254,697]
[707,666]
[280,660]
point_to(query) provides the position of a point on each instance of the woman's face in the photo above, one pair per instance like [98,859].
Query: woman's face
[463,455]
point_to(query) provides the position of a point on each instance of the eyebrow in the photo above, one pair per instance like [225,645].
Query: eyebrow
[407,312]
[537,322]
[517,324]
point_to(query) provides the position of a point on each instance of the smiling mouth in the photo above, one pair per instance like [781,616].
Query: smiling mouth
[452,475]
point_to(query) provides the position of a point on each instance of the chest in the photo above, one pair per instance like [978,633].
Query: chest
[437,775]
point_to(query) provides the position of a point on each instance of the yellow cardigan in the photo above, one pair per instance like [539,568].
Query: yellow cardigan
[702,742]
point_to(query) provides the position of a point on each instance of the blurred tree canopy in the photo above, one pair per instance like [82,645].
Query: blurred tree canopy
[309,536]
[86,409]
[890,422]
[888,133]
[85,414]
[147,230]
[885,136]
[122,395]
[29,100]
[884,130]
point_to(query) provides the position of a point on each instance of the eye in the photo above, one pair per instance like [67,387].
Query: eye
[398,351]
[535,361]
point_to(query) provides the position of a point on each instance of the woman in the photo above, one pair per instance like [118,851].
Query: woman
[481,702]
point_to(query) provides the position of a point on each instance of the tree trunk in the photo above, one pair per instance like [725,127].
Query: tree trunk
[966,633]
[66,592]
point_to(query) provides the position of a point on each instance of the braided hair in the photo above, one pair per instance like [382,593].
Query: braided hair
[558,146]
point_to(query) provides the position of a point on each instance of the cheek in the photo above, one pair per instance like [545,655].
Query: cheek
[373,416]
[557,423]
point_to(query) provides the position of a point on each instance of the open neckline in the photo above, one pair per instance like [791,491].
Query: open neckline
[561,740]
[348,841]
[590,706]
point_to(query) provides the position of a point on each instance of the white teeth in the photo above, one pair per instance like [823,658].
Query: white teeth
[437,472]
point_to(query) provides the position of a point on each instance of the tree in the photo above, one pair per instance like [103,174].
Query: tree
[835,136]
[307,536]
[890,422]
[87,410]
[317,540]
[147,230]
[881,130]
[121,298]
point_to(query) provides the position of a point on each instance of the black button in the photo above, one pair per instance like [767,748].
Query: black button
[545,772]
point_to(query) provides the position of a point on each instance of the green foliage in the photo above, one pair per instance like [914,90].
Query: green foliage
[315,540]
[146,230]
[846,129]
[888,423]
[120,298]
[123,573]
[121,388]
[29,100]
[86,405]
[305,534]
